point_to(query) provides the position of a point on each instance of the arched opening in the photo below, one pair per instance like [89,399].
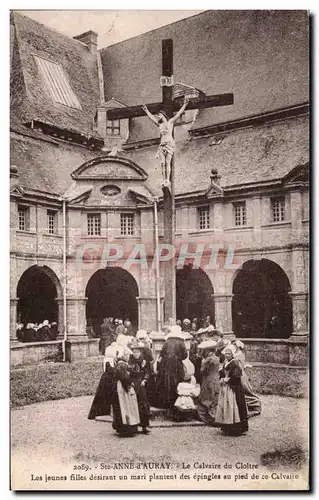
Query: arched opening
[194,294]
[111,292]
[262,306]
[37,291]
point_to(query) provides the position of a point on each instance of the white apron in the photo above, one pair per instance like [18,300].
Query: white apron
[128,405]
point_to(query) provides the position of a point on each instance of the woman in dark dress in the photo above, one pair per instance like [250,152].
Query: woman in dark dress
[124,403]
[209,388]
[107,386]
[30,333]
[195,357]
[140,371]
[231,413]
[54,332]
[44,332]
[150,385]
[170,370]
[252,400]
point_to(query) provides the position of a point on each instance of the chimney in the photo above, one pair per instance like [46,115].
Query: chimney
[89,38]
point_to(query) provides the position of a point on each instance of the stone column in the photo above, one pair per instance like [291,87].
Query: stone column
[223,313]
[13,319]
[299,295]
[76,318]
[60,319]
[78,345]
[300,315]
[296,216]
[146,313]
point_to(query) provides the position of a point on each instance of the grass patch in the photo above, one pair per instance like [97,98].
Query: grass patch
[295,457]
[283,381]
[50,381]
[53,381]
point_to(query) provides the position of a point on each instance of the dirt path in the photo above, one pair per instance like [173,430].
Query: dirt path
[54,436]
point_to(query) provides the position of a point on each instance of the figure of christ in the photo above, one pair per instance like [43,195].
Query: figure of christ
[167,144]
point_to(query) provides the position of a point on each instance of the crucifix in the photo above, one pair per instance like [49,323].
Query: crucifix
[165,120]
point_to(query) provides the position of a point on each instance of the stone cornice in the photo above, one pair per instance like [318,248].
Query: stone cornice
[253,120]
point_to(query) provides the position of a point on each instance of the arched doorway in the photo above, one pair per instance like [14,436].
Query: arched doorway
[262,306]
[37,291]
[194,294]
[111,292]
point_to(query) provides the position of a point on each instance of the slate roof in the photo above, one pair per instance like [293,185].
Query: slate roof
[205,55]
[243,157]
[46,165]
[30,98]
[260,56]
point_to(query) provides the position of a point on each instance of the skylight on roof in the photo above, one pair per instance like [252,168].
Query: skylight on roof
[57,83]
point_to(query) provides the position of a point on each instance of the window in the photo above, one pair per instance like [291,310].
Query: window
[110,190]
[24,218]
[57,83]
[127,224]
[240,213]
[113,127]
[52,221]
[203,217]
[278,209]
[94,224]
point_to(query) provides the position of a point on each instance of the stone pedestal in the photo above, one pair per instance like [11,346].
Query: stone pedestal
[223,313]
[81,348]
[78,345]
[147,312]
[298,352]
[76,317]
[158,340]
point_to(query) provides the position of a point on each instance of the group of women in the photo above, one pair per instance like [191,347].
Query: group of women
[226,399]
[221,393]
[123,386]
[37,332]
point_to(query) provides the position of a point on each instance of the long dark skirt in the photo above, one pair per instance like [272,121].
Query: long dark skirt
[143,405]
[150,388]
[252,400]
[102,401]
[170,374]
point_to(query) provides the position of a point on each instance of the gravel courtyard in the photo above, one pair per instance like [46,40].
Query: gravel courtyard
[55,437]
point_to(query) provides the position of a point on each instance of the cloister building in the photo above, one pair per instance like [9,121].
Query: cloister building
[85,190]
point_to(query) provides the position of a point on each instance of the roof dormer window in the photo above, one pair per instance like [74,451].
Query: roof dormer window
[113,127]
[57,83]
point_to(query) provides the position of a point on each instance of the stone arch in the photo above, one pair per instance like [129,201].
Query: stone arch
[112,291]
[38,291]
[194,294]
[261,304]
[110,167]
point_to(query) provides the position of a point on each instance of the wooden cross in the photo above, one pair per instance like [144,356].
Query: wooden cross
[170,106]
